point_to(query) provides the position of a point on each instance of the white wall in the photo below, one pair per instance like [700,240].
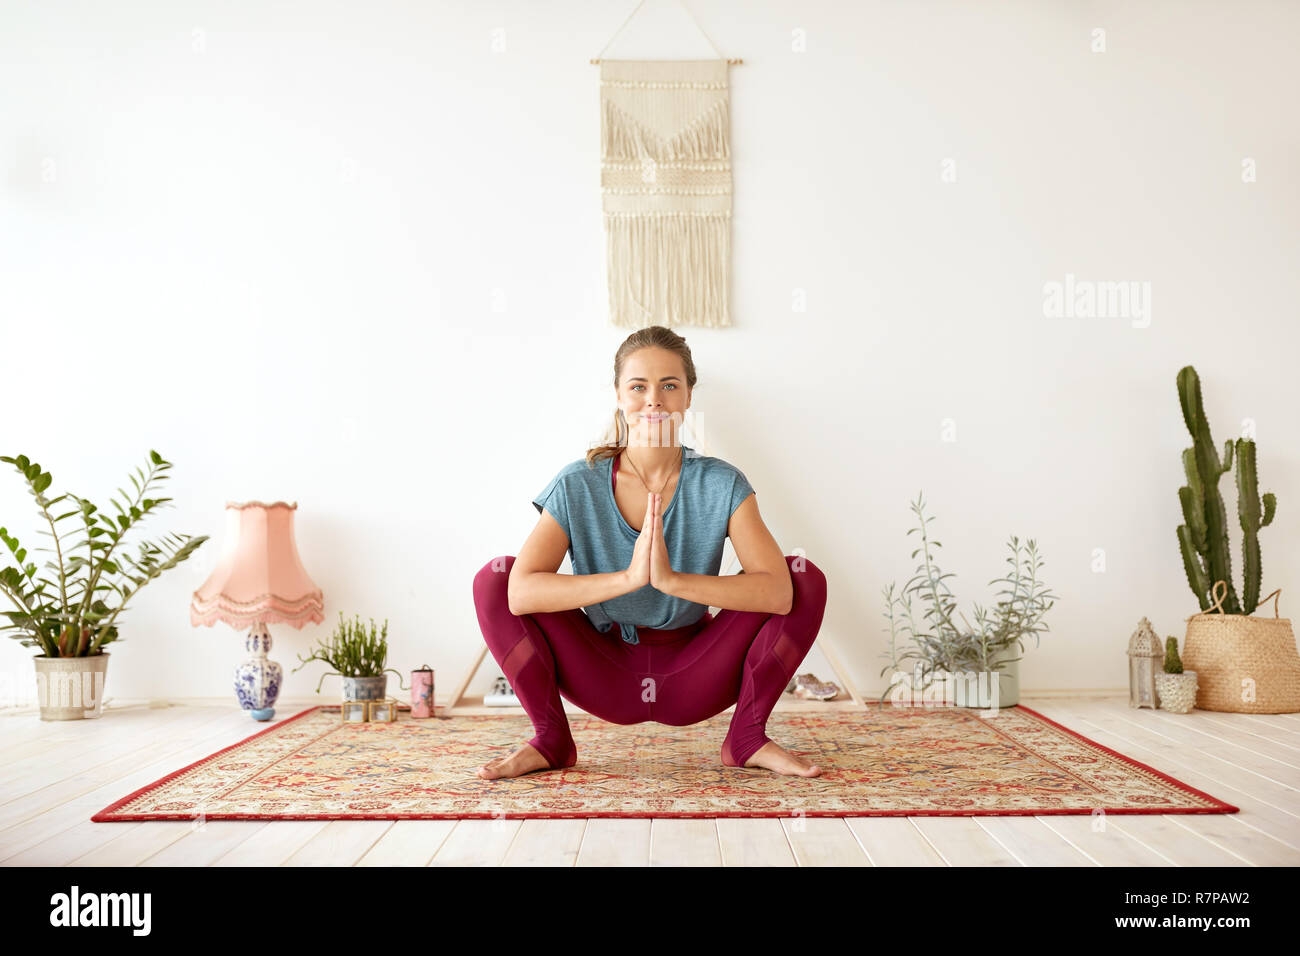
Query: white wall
[269,240]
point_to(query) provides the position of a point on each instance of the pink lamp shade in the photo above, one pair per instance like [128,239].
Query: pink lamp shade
[259,579]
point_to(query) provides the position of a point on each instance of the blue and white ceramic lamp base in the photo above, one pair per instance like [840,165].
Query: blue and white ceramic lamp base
[257,679]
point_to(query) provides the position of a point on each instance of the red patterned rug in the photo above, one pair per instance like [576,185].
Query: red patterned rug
[884,761]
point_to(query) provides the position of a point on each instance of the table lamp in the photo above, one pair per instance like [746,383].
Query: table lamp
[259,580]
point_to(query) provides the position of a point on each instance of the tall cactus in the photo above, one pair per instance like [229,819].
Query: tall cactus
[1248,510]
[1204,538]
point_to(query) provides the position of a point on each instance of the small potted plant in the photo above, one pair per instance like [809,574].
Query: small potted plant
[1175,687]
[71,612]
[977,659]
[358,655]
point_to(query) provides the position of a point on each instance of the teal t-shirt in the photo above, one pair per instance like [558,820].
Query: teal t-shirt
[581,499]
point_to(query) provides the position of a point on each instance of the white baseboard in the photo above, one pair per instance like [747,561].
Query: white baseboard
[285,706]
[292,705]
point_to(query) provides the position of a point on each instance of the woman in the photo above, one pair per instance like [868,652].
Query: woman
[644,521]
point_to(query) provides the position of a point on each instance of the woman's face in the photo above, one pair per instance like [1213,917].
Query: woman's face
[654,396]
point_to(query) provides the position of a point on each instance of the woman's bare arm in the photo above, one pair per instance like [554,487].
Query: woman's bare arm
[767,587]
[761,591]
[535,587]
[537,592]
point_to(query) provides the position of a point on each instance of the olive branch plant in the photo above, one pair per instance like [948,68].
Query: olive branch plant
[940,646]
[67,615]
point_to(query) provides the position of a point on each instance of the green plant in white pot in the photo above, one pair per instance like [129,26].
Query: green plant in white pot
[973,666]
[358,655]
[1175,687]
[71,612]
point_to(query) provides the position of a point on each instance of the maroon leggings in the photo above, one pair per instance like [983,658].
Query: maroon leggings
[676,677]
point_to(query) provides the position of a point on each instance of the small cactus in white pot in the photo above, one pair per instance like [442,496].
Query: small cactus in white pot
[1175,687]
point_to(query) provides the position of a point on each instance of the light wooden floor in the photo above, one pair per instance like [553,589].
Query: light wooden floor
[57,774]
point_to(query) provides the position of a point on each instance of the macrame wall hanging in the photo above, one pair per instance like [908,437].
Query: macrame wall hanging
[666,188]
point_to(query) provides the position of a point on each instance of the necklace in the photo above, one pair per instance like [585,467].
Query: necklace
[637,471]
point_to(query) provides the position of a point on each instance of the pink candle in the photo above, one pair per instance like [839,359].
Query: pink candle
[422,704]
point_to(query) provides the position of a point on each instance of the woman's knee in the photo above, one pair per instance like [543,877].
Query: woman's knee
[493,578]
[806,610]
[808,580]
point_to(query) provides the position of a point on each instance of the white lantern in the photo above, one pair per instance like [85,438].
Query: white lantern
[1145,659]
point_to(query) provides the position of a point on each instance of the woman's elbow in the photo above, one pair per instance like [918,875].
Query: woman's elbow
[785,601]
[517,603]
[514,600]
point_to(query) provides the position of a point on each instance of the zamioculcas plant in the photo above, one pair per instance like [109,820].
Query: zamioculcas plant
[72,610]
[1203,537]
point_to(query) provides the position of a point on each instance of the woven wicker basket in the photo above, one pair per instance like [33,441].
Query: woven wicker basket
[1244,664]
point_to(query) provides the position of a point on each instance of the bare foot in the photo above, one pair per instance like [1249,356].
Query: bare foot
[524,760]
[773,756]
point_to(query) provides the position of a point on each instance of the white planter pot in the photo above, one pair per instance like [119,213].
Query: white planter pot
[978,688]
[1176,692]
[71,688]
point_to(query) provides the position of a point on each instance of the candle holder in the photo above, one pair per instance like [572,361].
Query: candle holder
[354,712]
[381,711]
